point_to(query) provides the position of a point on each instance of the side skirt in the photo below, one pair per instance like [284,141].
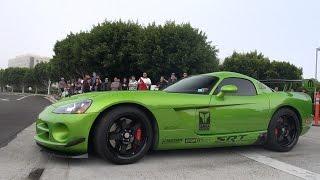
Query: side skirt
[184,139]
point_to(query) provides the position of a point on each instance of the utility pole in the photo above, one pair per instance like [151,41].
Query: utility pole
[316,73]
[49,86]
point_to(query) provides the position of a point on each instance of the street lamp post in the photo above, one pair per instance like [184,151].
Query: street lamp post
[315,75]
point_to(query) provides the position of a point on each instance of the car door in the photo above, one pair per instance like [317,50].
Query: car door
[242,111]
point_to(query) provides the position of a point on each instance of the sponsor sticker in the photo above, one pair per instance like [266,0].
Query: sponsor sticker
[204,121]
[199,140]
[172,141]
[192,140]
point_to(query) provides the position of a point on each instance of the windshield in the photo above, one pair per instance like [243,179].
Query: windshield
[200,84]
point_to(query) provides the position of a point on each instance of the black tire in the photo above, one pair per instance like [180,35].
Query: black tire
[113,145]
[283,130]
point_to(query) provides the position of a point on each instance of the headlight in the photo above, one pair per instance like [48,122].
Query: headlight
[74,108]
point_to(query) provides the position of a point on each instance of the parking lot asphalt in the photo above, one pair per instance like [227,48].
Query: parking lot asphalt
[23,159]
[18,111]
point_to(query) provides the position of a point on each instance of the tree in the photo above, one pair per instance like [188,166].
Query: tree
[42,72]
[30,78]
[177,48]
[285,70]
[116,48]
[256,65]
[253,64]
[19,78]
[2,82]
[127,48]
[15,77]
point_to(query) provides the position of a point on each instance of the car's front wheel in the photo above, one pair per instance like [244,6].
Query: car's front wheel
[283,130]
[123,135]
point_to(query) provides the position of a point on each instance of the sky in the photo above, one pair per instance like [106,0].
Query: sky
[286,30]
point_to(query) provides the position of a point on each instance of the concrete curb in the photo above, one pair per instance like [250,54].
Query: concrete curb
[50,98]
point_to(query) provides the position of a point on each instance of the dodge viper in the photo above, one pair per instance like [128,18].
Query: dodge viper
[202,111]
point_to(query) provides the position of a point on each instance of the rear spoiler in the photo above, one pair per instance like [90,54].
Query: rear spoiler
[308,84]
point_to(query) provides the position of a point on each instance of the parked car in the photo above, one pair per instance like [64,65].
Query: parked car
[202,111]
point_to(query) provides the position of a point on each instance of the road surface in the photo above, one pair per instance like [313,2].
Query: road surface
[18,112]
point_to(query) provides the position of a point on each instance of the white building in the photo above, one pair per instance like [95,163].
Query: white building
[27,60]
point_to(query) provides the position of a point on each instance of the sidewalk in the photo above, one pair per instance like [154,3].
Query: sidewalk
[21,156]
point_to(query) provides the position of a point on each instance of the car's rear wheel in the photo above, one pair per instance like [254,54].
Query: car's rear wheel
[283,130]
[123,135]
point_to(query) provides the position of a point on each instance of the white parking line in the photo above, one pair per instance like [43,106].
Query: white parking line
[52,100]
[288,168]
[24,97]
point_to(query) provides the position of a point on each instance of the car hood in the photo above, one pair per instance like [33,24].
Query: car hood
[74,98]
[149,99]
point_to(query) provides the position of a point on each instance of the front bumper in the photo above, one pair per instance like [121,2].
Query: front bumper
[306,124]
[66,133]
[62,154]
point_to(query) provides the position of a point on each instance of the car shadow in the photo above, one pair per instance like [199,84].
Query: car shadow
[155,155]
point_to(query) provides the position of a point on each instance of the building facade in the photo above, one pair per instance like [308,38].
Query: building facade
[27,61]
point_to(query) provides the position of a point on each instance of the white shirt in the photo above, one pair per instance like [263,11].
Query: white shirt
[133,84]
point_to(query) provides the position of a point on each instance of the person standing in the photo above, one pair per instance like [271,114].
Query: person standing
[78,85]
[97,86]
[133,84]
[173,79]
[125,84]
[144,82]
[86,84]
[62,84]
[184,75]
[106,85]
[116,85]
[72,87]
[162,83]
[93,81]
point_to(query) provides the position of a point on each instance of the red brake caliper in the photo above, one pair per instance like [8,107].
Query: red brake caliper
[137,134]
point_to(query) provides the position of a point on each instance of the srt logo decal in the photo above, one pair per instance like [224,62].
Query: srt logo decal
[231,138]
[204,121]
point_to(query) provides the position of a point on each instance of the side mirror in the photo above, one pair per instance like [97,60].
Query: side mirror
[227,89]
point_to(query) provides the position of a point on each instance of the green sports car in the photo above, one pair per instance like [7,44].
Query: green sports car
[202,111]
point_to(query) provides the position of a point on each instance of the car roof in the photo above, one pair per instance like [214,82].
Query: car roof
[226,74]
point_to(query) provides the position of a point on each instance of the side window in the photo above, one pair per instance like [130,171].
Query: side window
[245,87]
[200,84]
[264,87]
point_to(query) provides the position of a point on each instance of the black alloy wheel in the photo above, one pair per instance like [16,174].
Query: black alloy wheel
[123,135]
[126,137]
[283,130]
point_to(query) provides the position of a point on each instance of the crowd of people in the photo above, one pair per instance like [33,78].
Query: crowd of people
[95,83]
